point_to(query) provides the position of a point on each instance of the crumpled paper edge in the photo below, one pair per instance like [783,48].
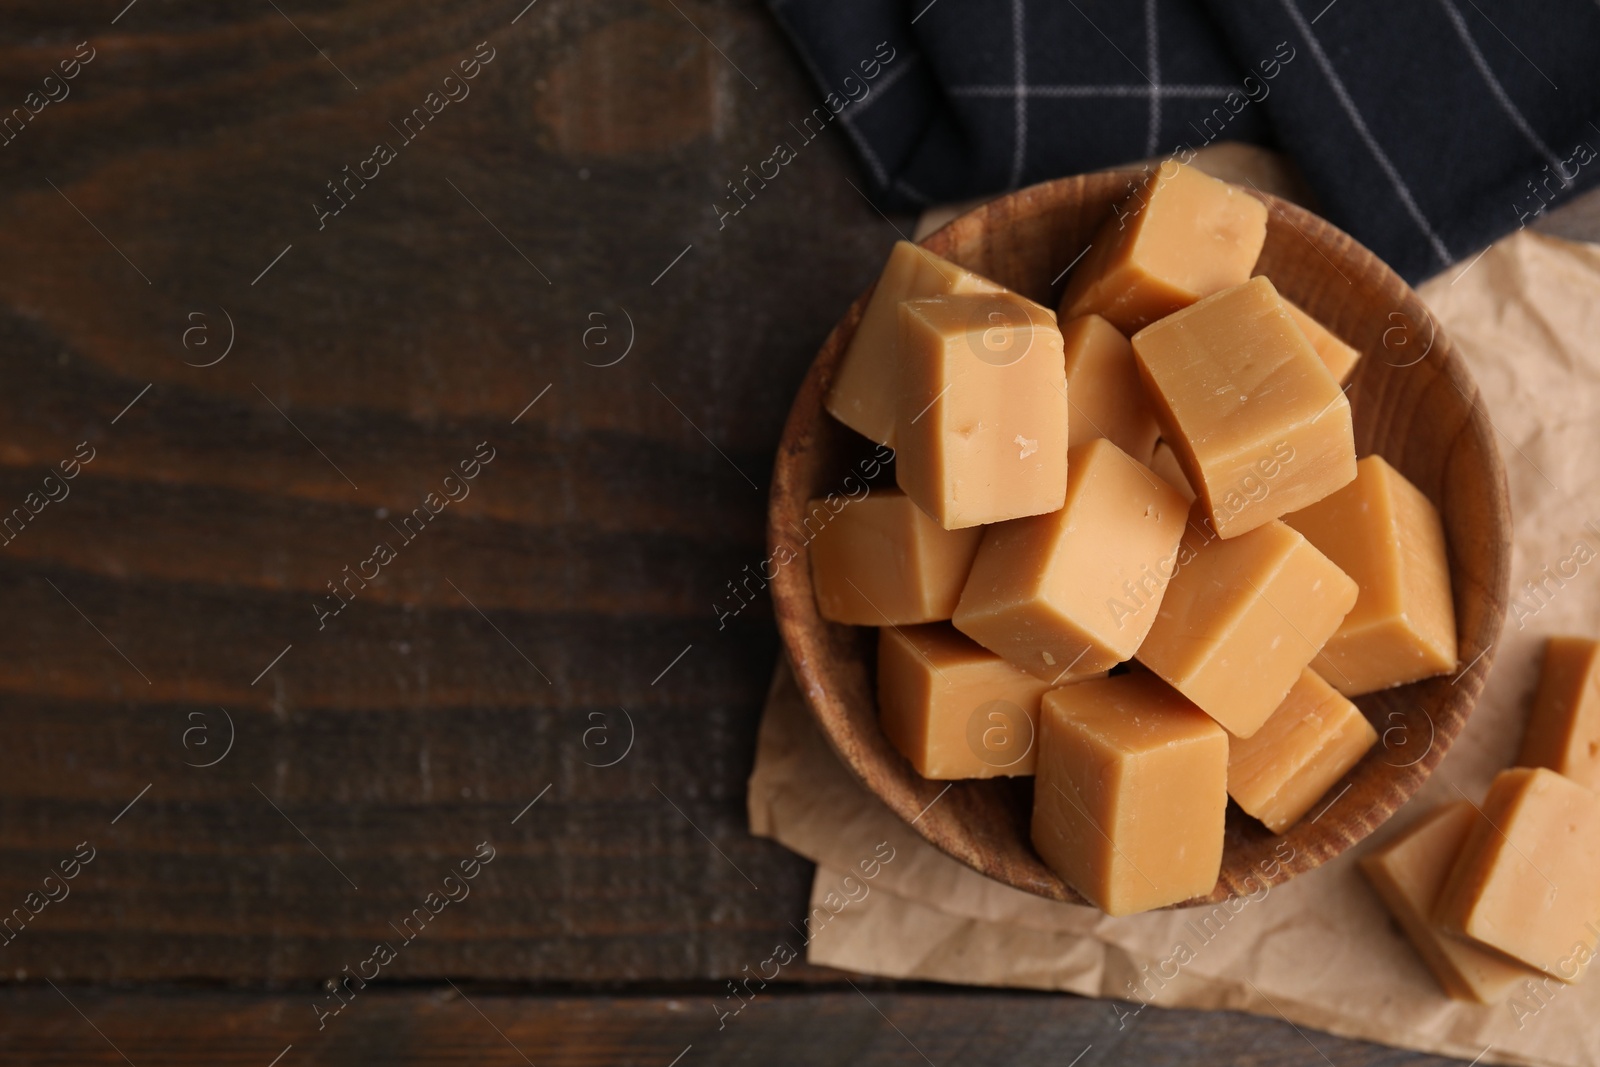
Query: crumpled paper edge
[924,915]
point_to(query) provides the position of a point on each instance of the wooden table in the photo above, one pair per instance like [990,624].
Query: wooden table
[277,738]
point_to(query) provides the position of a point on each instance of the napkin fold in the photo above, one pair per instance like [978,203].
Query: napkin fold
[1426,129]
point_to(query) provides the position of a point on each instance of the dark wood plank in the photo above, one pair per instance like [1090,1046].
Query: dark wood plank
[786,1029]
[465,679]
[168,200]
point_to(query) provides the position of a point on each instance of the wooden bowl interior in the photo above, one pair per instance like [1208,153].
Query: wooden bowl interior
[1414,403]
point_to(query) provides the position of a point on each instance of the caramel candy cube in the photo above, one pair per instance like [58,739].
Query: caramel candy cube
[1381,531]
[864,386]
[1131,793]
[1527,881]
[952,707]
[1107,397]
[1165,465]
[1075,591]
[1306,745]
[1563,730]
[1338,357]
[880,561]
[982,418]
[1408,872]
[1182,236]
[1258,424]
[1241,619]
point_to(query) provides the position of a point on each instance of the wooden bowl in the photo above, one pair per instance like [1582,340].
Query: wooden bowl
[1413,401]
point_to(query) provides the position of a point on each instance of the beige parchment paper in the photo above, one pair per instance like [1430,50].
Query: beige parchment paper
[1319,950]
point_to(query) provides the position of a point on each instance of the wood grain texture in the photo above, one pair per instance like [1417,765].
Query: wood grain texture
[1413,401]
[413,325]
[368,361]
[868,1024]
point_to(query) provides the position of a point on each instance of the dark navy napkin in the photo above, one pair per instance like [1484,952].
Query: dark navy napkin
[1426,128]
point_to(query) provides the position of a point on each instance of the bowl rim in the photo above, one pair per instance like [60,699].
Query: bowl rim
[827,711]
